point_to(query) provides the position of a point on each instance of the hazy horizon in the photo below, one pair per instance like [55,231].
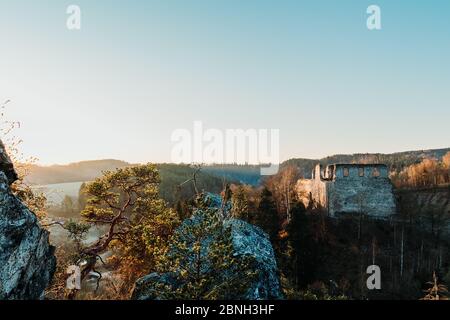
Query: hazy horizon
[294,157]
[137,71]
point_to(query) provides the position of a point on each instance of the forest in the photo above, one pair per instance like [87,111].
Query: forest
[167,231]
[317,257]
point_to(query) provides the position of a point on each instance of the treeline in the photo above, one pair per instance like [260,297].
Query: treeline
[173,187]
[395,161]
[140,233]
[325,258]
[73,172]
[89,170]
[172,177]
[428,173]
[241,173]
[318,257]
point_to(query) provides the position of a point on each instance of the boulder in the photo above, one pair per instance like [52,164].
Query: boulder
[253,241]
[27,261]
[248,240]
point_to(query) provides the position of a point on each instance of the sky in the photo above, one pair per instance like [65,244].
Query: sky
[138,70]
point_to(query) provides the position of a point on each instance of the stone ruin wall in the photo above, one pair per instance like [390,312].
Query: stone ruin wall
[313,191]
[370,194]
[353,193]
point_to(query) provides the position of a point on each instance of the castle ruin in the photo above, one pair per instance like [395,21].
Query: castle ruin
[348,189]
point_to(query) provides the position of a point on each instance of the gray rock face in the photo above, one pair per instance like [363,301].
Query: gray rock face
[247,240]
[146,288]
[251,240]
[27,261]
[6,165]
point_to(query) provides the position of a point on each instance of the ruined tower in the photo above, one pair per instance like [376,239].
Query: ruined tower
[349,188]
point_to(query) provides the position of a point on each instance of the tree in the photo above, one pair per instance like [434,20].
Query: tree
[183,209]
[446,160]
[202,260]
[446,167]
[138,223]
[438,218]
[427,173]
[282,186]
[267,216]
[319,291]
[34,200]
[436,291]
[82,200]
[306,244]
[67,204]
[77,233]
[240,204]
[297,241]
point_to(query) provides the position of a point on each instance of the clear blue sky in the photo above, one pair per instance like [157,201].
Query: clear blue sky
[140,69]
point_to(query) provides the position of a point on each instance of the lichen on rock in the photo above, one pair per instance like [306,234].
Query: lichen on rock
[247,240]
[27,261]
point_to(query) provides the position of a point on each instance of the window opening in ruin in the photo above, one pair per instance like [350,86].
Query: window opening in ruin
[346,173]
[361,172]
[375,172]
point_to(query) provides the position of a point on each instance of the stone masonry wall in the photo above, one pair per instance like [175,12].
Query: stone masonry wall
[351,189]
[313,190]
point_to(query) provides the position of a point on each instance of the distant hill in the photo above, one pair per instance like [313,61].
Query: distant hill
[211,178]
[244,174]
[74,172]
[173,175]
[89,170]
[215,174]
[395,161]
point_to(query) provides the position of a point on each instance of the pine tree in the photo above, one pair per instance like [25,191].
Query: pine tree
[436,291]
[297,230]
[82,197]
[267,215]
[240,204]
[137,220]
[182,209]
[201,258]
[304,247]
[67,204]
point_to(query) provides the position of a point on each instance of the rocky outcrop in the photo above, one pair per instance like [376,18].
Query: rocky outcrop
[6,165]
[249,241]
[254,242]
[27,260]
